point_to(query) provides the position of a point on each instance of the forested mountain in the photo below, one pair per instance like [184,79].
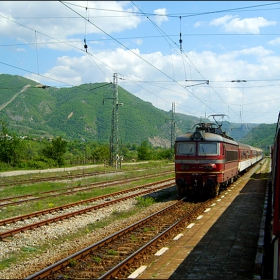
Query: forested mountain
[85,113]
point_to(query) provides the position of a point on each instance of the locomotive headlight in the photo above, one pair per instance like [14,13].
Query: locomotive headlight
[183,167]
[197,135]
[209,166]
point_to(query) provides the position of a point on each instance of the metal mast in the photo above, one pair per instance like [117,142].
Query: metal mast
[114,139]
[172,130]
[172,138]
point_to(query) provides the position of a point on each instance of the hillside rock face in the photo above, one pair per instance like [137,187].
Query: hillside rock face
[157,141]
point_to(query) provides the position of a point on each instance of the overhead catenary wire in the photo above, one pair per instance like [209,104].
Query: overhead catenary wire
[134,37]
[63,42]
[240,9]
[164,73]
[37,52]
[180,40]
[53,79]
[134,53]
[58,41]
[85,38]
[88,40]
[165,36]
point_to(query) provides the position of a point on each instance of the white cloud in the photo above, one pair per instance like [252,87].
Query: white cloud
[160,16]
[20,50]
[256,51]
[275,42]
[51,20]
[221,21]
[149,69]
[242,26]
[200,24]
[138,41]
[197,100]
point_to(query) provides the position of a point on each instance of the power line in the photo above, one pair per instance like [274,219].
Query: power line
[46,77]
[132,51]
[240,9]
[180,47]
[60,41]
[127,48]
[134,37]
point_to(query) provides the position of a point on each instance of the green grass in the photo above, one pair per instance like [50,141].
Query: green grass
[112,252]
[143,202]
[28,252]
[72,262]
[97,259]
[60,199]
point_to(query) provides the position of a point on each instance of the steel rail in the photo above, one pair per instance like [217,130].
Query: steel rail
[73,189]
[88,209]
[55,178]
[123,265]
[82,253]
[69,205]
[126,263]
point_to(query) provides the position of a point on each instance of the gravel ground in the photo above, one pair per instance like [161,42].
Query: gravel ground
[50,235]
[55,214]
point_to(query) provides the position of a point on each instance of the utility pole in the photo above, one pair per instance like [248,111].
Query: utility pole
[114,138]
[172,138]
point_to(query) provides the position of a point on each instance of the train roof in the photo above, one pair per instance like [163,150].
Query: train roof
[211,132]
[207,136]
[211,137]
[249,147]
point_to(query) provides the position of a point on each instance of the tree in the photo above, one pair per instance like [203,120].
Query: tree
[11,146]
[56,150]
[144,152]
[101,153]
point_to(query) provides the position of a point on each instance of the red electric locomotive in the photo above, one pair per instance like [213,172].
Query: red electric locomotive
[208,160]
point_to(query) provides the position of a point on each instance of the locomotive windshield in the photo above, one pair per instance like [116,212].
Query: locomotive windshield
[184,148]
[207,149]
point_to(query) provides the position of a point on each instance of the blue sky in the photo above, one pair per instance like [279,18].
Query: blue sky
[235,45]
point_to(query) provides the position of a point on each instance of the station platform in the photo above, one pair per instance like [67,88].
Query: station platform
[226,242]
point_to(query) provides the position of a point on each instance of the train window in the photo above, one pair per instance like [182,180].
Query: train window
[231,155]
[185,148]
[207,149]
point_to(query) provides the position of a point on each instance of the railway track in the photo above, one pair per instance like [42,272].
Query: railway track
[72,190]
[136,191]
[46,177]
[119,254]
[8,182]
[32,265]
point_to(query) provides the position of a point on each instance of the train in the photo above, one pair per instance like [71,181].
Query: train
[274,185]
[207,160]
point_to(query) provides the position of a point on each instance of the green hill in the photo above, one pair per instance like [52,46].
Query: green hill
[84,113]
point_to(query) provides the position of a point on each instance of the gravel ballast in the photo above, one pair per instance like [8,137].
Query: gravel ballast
[51,235]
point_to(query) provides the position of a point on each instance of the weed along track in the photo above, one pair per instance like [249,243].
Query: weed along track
[119,254]
[70,190]
[112,204]
[123,250]
[70,210]
[9,182]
